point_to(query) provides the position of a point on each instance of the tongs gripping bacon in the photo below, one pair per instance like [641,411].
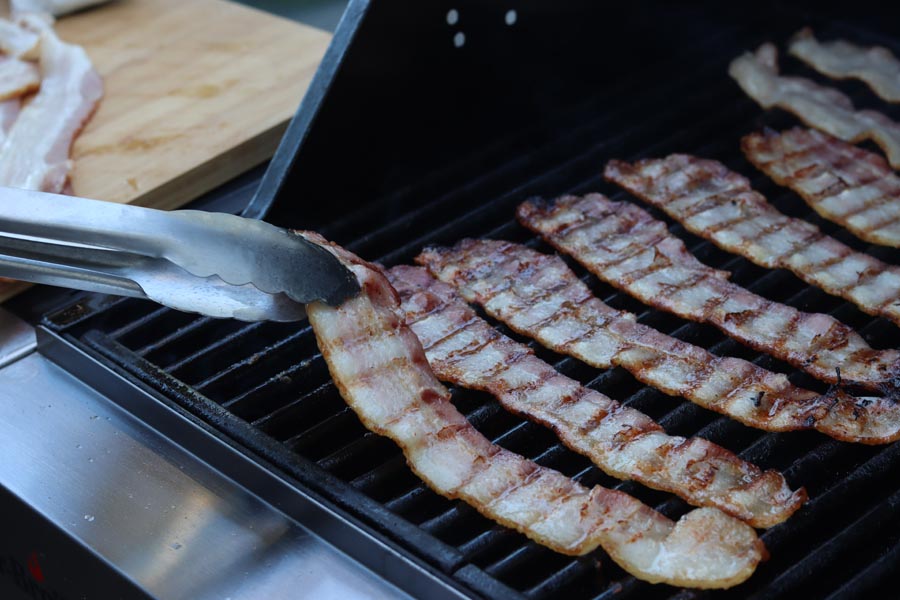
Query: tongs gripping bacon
[718,204]
[381,371]
[626,247]
[842,182]
[539,296]
[465,350]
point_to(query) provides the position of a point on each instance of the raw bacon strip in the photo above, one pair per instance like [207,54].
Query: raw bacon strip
[627,248]
[843,183]
[718,204]
[818,106]
[539,296]
[17,77]
[35,153]
[380,369]
[876,66]
[465,350]
[53,7]
[18,41]
[9,110]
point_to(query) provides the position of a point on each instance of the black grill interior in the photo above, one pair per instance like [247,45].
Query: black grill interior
[266,385]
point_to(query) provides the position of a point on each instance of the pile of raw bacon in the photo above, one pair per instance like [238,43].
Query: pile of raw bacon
[412,327]
[48,90]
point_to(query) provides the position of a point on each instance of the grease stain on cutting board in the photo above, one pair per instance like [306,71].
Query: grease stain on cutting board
[205,90]
[228,47]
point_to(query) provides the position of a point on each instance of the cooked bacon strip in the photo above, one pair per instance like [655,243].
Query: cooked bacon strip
[465,350]
[35,153]
[627,248]
[876,66]
[818,106]
[17,77]
[843,183]
[539,296]
[380,369]
[718,204]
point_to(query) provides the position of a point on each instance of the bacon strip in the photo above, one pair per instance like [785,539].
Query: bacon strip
[539,296]
[818,106]
[465,350]
[843,183]
[718,204]
[875,66]
[380,369]
[17,77]
[53,7]
[35,153]
[19,41]
[627,248]
[9,110]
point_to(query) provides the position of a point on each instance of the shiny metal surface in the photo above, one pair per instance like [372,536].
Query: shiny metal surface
[216,264]
[149,507]
[16,338]
[124,274]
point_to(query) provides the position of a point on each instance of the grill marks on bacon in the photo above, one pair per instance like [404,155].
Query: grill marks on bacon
[626,247]
[465,350]
[875,66]
[380,369]
[843,183]
[718,204]
[818,106]
[539,296]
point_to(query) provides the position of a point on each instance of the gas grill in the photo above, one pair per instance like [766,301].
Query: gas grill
[429,123]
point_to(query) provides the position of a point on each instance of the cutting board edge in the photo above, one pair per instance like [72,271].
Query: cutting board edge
[210,174]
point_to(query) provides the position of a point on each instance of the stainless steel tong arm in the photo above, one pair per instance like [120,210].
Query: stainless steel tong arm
[211,263]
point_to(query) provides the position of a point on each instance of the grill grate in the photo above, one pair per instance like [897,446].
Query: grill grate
[268,387]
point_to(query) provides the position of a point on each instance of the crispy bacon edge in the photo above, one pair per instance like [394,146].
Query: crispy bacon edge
[401,399]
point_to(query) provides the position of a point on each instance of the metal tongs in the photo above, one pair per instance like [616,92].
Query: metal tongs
[214,264]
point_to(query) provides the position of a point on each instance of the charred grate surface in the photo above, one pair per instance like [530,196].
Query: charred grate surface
[267,386]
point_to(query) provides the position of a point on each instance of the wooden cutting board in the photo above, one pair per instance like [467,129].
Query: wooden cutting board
[195,93]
